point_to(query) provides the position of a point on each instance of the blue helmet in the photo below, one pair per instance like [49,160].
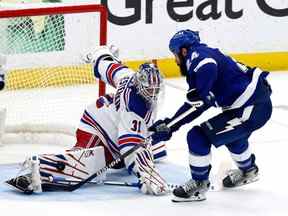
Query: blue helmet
[183,38]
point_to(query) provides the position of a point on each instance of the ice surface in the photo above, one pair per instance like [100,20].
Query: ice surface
[268,196]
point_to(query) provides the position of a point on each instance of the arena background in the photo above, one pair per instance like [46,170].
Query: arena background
[251,31]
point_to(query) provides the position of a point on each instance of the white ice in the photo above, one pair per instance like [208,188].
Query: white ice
[268,196]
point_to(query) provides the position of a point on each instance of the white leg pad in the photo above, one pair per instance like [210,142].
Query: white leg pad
[73,165]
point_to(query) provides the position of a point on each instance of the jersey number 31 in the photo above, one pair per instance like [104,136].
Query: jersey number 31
[136,126]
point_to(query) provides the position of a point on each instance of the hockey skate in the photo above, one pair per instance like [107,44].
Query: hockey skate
[21,183]
[238,177]
[191,191]
[30,182]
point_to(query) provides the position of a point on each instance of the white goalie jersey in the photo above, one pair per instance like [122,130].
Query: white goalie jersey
[108,128]
[122,119]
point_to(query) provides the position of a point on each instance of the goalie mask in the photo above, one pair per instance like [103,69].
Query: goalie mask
[148,82]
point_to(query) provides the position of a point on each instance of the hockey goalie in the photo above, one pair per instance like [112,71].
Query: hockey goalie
[108,128]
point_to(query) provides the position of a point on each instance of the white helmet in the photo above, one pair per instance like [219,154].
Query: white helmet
[148,82]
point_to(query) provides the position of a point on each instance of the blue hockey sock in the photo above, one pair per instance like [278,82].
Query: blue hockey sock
[200,173]
[246,165]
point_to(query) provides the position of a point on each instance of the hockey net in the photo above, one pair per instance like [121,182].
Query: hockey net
[47,85]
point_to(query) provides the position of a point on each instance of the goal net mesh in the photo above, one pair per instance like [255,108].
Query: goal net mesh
[47,84]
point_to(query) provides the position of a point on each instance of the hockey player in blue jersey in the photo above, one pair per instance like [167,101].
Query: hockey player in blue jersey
[243,93]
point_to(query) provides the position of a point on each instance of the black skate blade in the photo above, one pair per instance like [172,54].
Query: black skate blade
[197,198]
[12,184]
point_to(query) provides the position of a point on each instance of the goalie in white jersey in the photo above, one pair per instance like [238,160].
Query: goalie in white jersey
[115,123]
[120,121]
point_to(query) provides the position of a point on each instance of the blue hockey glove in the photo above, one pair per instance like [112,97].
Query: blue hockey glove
[161,131]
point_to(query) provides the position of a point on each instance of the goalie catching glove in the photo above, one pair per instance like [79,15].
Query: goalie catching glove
[150,180]
[110,53]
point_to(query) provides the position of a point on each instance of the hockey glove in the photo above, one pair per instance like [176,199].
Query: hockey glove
[110,53]
[150,180]
[160,131]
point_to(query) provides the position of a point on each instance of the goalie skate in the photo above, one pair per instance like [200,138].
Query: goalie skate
[236,177]
[21,183]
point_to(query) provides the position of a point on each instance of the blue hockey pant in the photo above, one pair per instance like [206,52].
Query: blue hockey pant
[231,128]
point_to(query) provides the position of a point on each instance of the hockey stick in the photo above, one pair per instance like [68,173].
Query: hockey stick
[60,180]
[123,156]
[65,183]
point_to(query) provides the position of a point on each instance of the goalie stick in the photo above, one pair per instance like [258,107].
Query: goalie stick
[122,157]
[216,180]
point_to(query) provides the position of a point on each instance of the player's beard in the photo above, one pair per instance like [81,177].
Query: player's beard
[182,65]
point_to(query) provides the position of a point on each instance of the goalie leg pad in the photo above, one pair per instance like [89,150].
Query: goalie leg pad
[150,180]
[46,169]
[75,164]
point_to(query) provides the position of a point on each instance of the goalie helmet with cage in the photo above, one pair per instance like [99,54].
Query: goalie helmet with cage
[148,82]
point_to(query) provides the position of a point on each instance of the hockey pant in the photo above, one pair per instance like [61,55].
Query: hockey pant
[231,128]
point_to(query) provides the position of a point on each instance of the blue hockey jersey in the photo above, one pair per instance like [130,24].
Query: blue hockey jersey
[219,80]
